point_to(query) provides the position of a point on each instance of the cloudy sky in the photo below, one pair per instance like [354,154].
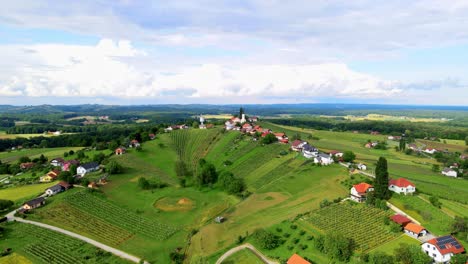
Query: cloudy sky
[223,52]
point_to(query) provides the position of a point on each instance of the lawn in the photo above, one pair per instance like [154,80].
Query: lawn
[44,246]
[21,193]
[390,246]
[245,256]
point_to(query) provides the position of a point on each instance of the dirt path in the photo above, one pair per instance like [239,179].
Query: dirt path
[249,247]
[95,243]
[399,211]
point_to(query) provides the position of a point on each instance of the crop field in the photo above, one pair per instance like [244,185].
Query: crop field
[361,223]
[12,156]
[119,216]
[48,247]
[244,256]
[15,258]
[20,193]
[69,217]
[431,217]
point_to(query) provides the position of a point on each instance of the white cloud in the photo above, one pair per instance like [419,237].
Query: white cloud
[112,69]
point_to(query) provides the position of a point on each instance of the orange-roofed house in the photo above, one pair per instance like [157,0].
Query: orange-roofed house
[359,192]
[296,259]
[441,249]
[401,186]
[120,151]
[415,230]
[50,176]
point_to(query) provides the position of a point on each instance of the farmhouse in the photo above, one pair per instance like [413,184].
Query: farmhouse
[441,249]
[152,136]
[50,176]
[401,185]
[134,144]
[67,164]
[323,159]
[253,119]
[296,259]
[336,153]
[362,166]
[430,150]
[120,151]
[359,191]
[371,144]
[400,219]
[309,151]
[449,172]
[415,230]
[297,145]
[86,168]
[54,190]
[26,165]
[65,185]
[281,137]
[57,162]
[34,203]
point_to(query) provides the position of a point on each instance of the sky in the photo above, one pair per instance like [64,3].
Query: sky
[234,52]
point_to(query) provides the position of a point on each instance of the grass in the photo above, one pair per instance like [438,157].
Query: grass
[15,258]
[245,256]
[44,246]
[12,156]
[361,223]
[21,193]
[390,246]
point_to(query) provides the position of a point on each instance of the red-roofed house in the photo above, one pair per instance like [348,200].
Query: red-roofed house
[120,151]
[296,259]
[336,153]
[67,164]
[400,219]
[281,137]
[401,185]
[152,136]
[27,165]
[441,249]
[415,230]
[359,191]
[297,145]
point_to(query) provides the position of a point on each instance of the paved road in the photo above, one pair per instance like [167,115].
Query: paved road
[245,246]
[10,216]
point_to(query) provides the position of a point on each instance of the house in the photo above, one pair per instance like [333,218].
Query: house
[57,162]
[454,165]
[401,185]
[281,137]
[449,172]
[395,138]
[67,164]
[371,144]
[362,166]
[86,168]
[296,259]
[65,185]
[120,151]
[26,165]
[390,137]
[400,219]
[50,176]
[309,151]
[229,125]
[152,136]
[336,153]
[297,145]
[441,249]
[359,192]
[134,144]
[253,119]
[54,190]
[430,150]
[168,129]
[415,230]
[34,203]
[323,159]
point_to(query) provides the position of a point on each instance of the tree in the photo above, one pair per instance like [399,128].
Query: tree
[143,183]
[458,259]
[269,138]
[99,157]
[460,225]
[42,159]
[435,167]
[241,112]
[24,159]
[230,183]
[265,239]
[348,156]
[411,254]
[114,168]
[5,204]
[435,201]
[67,177]
[402,144]
[195,124]
[381,258]
[466,140]
[381,180]
[339,247]
[208,174]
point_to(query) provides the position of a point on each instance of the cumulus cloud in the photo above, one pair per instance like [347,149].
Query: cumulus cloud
[113,69]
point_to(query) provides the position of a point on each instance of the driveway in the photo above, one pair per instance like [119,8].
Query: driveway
[249,247]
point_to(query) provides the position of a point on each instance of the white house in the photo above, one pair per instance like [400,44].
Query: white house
[449,172]
[441,249]
[336,153]
[229,125]
[58,162]
[362,166]
[309,151]
[297,145]
[359,191]
[86,168]
[430,150]
[323,159]
[54,190]
[401,186]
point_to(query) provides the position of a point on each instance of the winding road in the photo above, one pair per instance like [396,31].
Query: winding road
[249,247]
[11,217]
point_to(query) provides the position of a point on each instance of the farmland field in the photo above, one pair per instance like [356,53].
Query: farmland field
[390,246]
[20,193]
[359,222]
[35,153]
[41,245]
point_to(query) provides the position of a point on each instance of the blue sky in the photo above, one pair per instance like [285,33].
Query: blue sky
[132,52]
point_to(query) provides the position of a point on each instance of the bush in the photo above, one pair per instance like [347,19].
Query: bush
[114,168]
[265,239]
[293,226]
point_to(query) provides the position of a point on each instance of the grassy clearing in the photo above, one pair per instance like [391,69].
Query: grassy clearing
[48,247]
[21,193]
[244,256]
[453,208]
[440,145]
[432,218]
[12,156]
[362,223]
[390,246]
[15,258]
